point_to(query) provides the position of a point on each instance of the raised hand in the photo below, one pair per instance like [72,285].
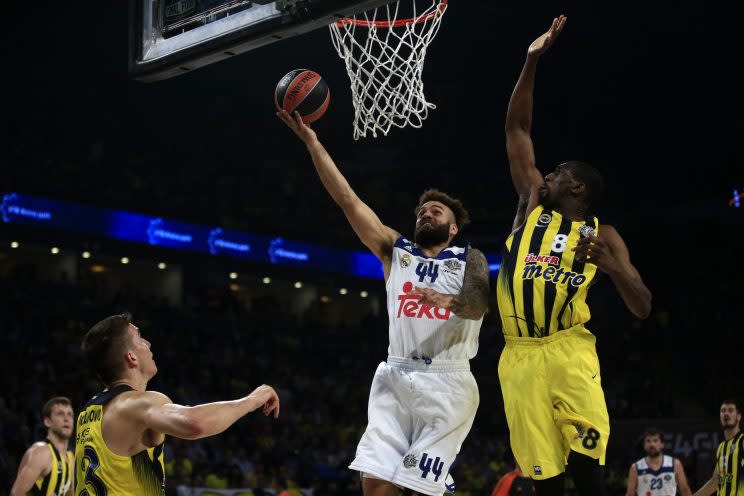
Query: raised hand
[433,298]
[541,44]
[295,123]
[266,397]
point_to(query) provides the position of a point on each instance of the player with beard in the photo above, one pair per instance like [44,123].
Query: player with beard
[423,399]
[656,474]
[728,474]
[549,369]
[121,430]
[47,467]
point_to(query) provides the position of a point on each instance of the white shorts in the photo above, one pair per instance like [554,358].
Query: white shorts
[418,417]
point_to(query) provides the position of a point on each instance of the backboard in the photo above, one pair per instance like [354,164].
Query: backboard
[172,37]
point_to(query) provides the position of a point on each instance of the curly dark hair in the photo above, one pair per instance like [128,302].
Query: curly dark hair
[462,217]
[653,431]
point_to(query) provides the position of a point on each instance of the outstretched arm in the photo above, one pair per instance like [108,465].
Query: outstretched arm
[711,486]
[632,481]
[159,414]
[374,234]
[472,302]
[679,473]
[36,463]
[610,254]
[519,148]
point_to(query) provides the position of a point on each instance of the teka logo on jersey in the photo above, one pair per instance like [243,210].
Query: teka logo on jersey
[410,307]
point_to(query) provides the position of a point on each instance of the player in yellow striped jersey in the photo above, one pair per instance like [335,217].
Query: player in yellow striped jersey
[47,467]
[549,370]
[122,429]
[728,474]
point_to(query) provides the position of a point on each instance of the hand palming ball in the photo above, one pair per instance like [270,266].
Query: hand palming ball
[305,91]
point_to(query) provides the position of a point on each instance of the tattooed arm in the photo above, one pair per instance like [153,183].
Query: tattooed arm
[472,302]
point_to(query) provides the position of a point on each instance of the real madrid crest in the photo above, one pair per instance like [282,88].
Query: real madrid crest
[405,260]
[410,460]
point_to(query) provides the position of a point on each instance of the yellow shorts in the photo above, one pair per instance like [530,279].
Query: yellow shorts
[553,400]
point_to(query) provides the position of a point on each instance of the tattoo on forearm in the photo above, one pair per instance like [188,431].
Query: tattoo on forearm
[472,302]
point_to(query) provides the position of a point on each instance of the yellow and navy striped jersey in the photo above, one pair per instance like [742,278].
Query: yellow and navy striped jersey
[59,479]
[730,465]
[99,471]
[541,288]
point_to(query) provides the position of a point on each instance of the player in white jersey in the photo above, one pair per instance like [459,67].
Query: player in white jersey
[423,398]
[656,474]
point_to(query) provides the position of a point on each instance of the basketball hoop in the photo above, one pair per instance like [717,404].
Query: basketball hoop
[384,59]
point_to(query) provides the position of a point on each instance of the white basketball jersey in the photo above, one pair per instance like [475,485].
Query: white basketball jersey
[656,483]
[421,331]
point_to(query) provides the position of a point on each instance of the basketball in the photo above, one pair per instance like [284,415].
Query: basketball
[305,91]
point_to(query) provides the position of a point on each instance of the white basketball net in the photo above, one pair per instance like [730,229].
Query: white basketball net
[384,59]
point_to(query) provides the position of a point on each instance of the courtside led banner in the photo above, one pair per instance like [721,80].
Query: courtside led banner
[156,231]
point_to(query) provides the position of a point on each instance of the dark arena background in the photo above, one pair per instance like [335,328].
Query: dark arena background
[123,195]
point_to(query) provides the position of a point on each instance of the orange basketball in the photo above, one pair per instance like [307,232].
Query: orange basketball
[305,91]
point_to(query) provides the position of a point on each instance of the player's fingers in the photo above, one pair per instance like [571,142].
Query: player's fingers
[282,115]
[588,259]
[287,119]
[298,119]
[582,254]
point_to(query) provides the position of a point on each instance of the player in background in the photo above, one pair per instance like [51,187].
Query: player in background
[656,474]
[728,474]
[47,467]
